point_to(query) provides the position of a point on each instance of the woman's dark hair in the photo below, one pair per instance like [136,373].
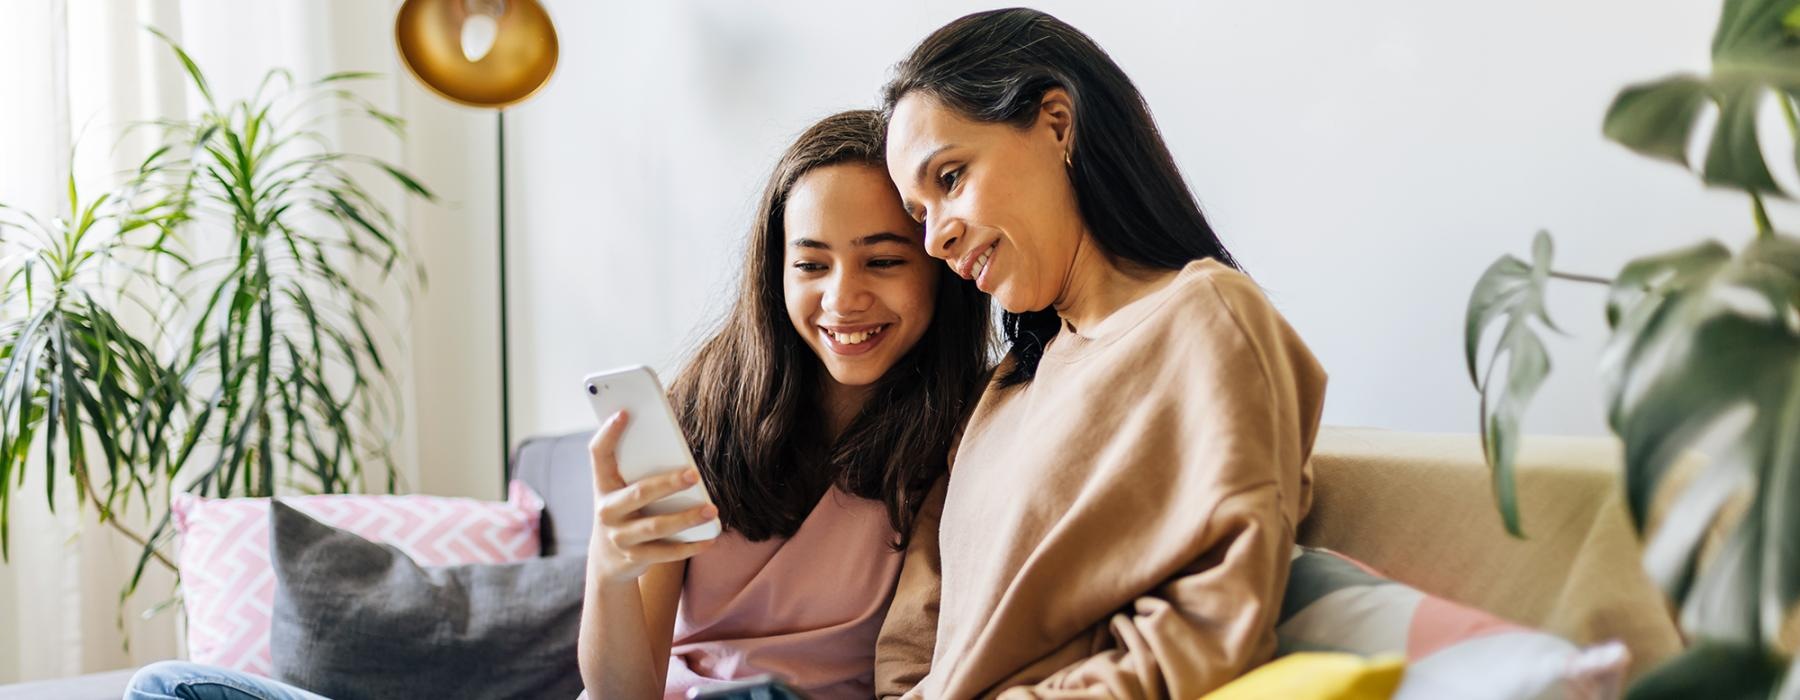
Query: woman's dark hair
[995,67]
[749,399]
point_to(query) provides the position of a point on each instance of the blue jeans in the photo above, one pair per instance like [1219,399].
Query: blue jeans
[181,680]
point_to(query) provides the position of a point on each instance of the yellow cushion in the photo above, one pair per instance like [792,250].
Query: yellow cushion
[1317,676]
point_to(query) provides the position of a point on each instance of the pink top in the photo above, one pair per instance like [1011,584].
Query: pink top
[806,608]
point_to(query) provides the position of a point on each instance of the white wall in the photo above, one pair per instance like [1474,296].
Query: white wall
[455,396]
[1366,161]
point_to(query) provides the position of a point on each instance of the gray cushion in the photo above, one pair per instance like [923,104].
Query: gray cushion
[354,619]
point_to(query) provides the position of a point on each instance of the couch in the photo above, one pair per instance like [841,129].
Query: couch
[1415,506]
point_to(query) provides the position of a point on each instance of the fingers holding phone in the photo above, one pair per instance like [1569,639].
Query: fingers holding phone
[650,504]
[621,506]
[603,454]
[631,540]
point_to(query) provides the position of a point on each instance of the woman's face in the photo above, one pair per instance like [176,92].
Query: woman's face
[996,200]
[858,285]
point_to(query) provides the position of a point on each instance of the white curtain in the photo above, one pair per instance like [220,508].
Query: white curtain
[73,74]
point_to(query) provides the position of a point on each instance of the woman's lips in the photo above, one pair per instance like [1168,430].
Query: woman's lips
[981,279]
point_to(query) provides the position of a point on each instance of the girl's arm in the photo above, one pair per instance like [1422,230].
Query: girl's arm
[661,587]
[634,576]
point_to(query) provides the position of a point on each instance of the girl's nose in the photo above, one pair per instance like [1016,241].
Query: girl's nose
[846,293]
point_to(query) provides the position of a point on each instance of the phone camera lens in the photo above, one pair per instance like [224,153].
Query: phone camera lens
[593,390]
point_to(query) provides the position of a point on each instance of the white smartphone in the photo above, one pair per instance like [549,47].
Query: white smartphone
[652,443]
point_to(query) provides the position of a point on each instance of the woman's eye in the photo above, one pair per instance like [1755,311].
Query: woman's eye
[950,179]
[809,267]
[887,262]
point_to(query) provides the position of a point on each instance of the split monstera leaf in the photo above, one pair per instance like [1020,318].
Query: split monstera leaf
[1702,339]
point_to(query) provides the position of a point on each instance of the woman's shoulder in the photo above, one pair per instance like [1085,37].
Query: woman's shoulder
[1208,277]
[1209,293]
[1217,312]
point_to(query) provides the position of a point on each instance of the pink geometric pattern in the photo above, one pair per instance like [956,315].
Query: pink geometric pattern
[228,583]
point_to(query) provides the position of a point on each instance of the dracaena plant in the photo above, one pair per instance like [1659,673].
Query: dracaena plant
[69,368]
[257,358]
[1704,338]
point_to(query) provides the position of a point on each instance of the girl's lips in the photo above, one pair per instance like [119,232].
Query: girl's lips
[852,329]
[858,349]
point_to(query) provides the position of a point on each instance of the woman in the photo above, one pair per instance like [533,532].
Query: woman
[1122,503]
[820,414]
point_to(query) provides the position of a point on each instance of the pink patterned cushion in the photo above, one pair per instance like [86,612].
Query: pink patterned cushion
[228,584]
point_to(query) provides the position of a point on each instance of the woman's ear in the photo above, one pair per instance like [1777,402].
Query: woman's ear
[1057,111]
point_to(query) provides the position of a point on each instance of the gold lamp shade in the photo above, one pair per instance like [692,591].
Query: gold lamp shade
[435,44]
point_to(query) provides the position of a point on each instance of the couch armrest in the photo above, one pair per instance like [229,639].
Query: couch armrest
[94,686]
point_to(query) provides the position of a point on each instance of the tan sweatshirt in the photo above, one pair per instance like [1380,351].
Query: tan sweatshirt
[1120,526]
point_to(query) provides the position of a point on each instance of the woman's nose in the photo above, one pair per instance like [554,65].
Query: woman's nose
[941,235]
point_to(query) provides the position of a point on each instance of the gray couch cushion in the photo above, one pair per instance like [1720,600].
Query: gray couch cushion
[557,467]
[354,619]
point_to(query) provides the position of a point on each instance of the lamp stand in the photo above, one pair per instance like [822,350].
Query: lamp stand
[505,330]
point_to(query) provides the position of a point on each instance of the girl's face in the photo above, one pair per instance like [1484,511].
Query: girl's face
[996,200]
[857,283]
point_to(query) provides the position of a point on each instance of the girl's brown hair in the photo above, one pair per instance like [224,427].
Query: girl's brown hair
[749,398]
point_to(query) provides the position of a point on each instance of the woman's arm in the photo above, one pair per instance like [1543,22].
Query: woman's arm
[909,634]
[634,576]
[1202,628]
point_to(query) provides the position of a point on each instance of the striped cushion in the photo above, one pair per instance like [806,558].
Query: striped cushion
[228,584]
[1335,603]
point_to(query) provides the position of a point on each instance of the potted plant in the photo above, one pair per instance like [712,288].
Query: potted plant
[1699,335]
[257,362]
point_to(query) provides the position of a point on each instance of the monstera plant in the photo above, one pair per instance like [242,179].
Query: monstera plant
[1703,339]
[204,325]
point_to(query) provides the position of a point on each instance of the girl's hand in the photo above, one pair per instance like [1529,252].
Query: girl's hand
[627,542]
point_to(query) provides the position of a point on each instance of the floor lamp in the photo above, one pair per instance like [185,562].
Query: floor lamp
[490,54]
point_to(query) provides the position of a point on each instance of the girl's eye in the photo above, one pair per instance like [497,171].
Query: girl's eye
[950,179]
[804,266]
[887,262]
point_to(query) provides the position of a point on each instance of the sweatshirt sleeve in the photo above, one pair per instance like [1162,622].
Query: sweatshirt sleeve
[909,634]
[1201,629]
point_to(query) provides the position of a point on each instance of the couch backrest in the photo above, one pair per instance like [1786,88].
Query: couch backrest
[1418,507]
[557,467]
[1421,509]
